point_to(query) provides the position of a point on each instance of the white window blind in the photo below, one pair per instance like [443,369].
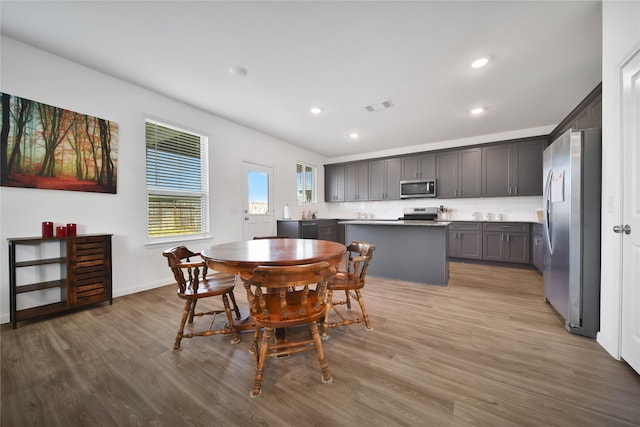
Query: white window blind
[305,185]
[177,178]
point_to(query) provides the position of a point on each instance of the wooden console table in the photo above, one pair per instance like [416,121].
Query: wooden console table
[78,267]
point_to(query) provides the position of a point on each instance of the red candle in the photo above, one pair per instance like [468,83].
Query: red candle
[47,230]
[61,231]
[71,230]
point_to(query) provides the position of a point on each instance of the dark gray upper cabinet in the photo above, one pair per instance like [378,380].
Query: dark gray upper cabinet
[496,170]
[447,180]
[459,173]
[356,177]
[588,114]
[422,166]
[527,167]
[513,169]
[384,179]
[334,183]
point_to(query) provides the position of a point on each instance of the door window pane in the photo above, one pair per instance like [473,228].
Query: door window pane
[258,183]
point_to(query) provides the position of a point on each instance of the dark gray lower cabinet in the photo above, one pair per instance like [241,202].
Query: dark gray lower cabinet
[537,247]
[465,240]
[506,242]
[322,229]
[328,231]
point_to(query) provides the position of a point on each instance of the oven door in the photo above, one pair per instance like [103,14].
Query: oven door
[417,188]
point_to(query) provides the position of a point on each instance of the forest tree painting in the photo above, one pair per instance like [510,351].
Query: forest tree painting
[48,147]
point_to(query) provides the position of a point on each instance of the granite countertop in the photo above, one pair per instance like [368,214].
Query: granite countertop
[412,222]
[494,221]
[397,222]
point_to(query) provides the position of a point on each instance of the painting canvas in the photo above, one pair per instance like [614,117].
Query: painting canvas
[48,147]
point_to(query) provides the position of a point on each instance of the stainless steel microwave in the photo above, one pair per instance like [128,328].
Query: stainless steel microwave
[415,188]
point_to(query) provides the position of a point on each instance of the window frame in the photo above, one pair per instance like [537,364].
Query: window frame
[314,183]
[203,192]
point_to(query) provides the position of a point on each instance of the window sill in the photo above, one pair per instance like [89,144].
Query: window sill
[177,239]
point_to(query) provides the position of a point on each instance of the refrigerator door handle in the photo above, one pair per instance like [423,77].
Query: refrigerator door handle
[547,210]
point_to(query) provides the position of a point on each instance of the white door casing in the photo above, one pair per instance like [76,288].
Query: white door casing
[257,220]
[630,121]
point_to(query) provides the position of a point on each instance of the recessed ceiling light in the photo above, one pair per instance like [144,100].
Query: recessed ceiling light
[237,71]
[354,135]
[479,110]
[316,110]
[480,62]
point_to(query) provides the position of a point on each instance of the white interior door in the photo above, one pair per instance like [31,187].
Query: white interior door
[630,348]
[259,219]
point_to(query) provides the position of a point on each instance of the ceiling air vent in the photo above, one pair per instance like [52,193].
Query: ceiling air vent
[379,106]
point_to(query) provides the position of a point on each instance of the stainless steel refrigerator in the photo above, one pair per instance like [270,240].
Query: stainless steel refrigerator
[572,167]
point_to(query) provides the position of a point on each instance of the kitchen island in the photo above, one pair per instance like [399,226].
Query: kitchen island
[414,251]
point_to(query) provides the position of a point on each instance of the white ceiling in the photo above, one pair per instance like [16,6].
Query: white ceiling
[340,56]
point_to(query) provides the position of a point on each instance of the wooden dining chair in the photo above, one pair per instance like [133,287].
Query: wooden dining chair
[351,282]
[194,283]
[282,297]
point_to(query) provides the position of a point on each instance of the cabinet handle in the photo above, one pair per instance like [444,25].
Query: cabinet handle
[502,237]
[516,191]
[509,190]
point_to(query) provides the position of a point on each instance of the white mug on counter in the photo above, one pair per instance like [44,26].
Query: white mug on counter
[498,217]
[487,216]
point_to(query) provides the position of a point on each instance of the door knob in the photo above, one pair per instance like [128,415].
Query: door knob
[626,229]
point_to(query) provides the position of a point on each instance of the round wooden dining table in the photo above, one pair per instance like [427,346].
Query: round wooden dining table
[243,257]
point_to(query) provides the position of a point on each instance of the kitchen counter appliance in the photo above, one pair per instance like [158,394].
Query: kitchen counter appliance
[416,188]
[420,214]
[572,173]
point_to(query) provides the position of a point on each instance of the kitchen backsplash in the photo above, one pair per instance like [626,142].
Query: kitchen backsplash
[510,208]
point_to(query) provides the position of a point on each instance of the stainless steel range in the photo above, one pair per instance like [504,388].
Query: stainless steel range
[420,214]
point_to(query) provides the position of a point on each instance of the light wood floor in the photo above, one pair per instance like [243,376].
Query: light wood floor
[484,351]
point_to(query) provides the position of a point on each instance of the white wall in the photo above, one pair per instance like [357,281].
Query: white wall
[31,73]
[621,34]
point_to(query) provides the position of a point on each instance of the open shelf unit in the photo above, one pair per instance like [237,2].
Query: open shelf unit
[83,276]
